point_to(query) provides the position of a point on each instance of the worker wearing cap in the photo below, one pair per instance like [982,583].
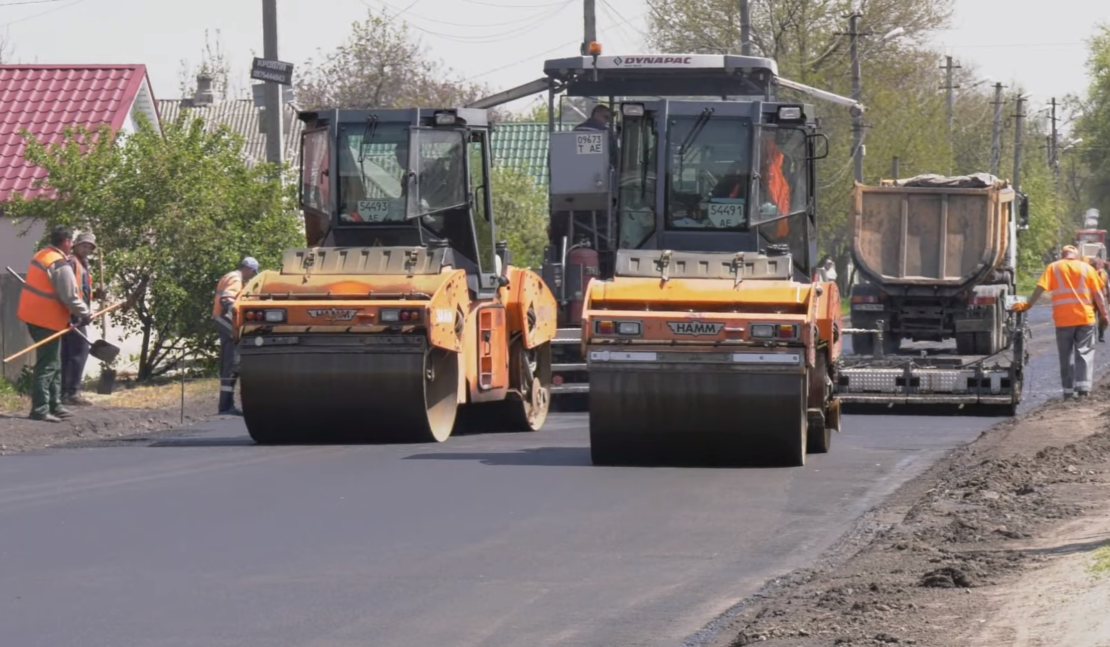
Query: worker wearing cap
[1076,294]
[75,345]
[227,290]
[49,299]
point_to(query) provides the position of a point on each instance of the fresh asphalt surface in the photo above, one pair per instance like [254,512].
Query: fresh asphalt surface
[202,539]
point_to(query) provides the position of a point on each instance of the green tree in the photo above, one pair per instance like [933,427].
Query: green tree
[381,65]
[173,211]
[1094,123]
[520,209]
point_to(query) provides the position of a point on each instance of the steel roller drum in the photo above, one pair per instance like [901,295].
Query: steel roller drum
[346,392]
[683,415]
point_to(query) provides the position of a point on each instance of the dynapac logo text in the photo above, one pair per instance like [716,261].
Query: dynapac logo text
[655,60]
[695,327]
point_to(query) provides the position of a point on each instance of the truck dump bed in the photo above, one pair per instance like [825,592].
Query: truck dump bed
[940,233]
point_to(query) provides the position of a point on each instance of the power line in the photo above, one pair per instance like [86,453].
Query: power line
[523,60]
[536,22]
[41,13]
[24,2]
[511,6]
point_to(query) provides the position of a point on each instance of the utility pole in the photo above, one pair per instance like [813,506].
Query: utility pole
[589,24]
[745,28]
[1019,126]
[857,119]
[996,131]
[274,136]
[894,169]
[1054,143]
[948,67]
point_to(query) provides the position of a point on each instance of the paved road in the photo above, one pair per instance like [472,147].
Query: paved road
[204,540]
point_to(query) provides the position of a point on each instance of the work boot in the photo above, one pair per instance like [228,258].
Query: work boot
[76,401]
[62,412]
[46,418]
[227,401]
[1082,394]
[1069,396]
[231,412]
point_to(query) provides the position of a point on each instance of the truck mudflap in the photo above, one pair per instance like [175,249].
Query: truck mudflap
[993,382]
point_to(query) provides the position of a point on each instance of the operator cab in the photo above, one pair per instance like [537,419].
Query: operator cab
[736,165]
[403,178]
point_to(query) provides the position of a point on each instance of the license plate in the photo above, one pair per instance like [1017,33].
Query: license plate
[870,307]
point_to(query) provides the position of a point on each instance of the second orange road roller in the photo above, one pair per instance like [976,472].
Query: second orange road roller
[402,315]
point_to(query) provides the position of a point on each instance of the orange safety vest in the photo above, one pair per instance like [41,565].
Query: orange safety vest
[38,303]
[83,278]
[229,287]
[1072,284]
[776,184]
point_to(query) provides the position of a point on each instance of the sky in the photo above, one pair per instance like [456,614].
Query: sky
[500,42]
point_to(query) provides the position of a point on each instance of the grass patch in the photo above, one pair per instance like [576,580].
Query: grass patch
[10,399]
[158,395]
[1100,567]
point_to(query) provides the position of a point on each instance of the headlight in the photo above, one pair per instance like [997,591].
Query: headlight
[628,328]
[268,316]
[763,331]
[609,327]
[392,315]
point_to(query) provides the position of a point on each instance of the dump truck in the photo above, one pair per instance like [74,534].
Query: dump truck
[1091,244]
[936,260]
[404,314]
[683,256]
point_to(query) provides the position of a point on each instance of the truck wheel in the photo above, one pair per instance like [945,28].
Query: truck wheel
[989,343]
[863,344]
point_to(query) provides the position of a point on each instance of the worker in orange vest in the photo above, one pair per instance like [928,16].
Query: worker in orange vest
[227,290]
[50,297]
[1076,294]
[774,185]
[75,347]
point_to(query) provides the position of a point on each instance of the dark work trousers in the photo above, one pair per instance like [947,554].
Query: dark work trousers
[1076,346]
[228,360]
[75,353]
[46,390]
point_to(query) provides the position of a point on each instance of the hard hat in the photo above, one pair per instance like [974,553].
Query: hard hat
[1072,249]
[249,263]
[86,237]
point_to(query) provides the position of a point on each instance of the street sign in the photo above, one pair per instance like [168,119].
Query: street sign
[276,71]
[258,93]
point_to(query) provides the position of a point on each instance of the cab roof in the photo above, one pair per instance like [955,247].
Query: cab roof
[665,75]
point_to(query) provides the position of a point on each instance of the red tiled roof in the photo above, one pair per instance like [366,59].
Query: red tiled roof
[45,99]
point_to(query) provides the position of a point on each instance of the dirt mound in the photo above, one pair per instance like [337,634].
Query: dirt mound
[963,526]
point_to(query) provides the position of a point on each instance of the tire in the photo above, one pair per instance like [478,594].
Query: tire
[516,413]
[819,439]
[989,343]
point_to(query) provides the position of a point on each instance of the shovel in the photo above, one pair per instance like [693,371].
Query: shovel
[100,349]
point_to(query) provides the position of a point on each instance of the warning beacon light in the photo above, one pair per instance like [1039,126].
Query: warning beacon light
[595,48]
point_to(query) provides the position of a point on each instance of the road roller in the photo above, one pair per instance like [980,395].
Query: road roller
[403,315]
[683,255]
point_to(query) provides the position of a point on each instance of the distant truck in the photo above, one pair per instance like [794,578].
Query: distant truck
[1091,244]
[936,258]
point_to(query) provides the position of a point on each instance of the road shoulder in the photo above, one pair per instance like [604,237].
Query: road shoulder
[992,545]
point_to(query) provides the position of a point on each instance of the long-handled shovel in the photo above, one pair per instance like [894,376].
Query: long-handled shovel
[62,332]
[100,349]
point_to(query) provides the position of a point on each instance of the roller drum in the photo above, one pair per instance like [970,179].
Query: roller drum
[696,415]
[345,393]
